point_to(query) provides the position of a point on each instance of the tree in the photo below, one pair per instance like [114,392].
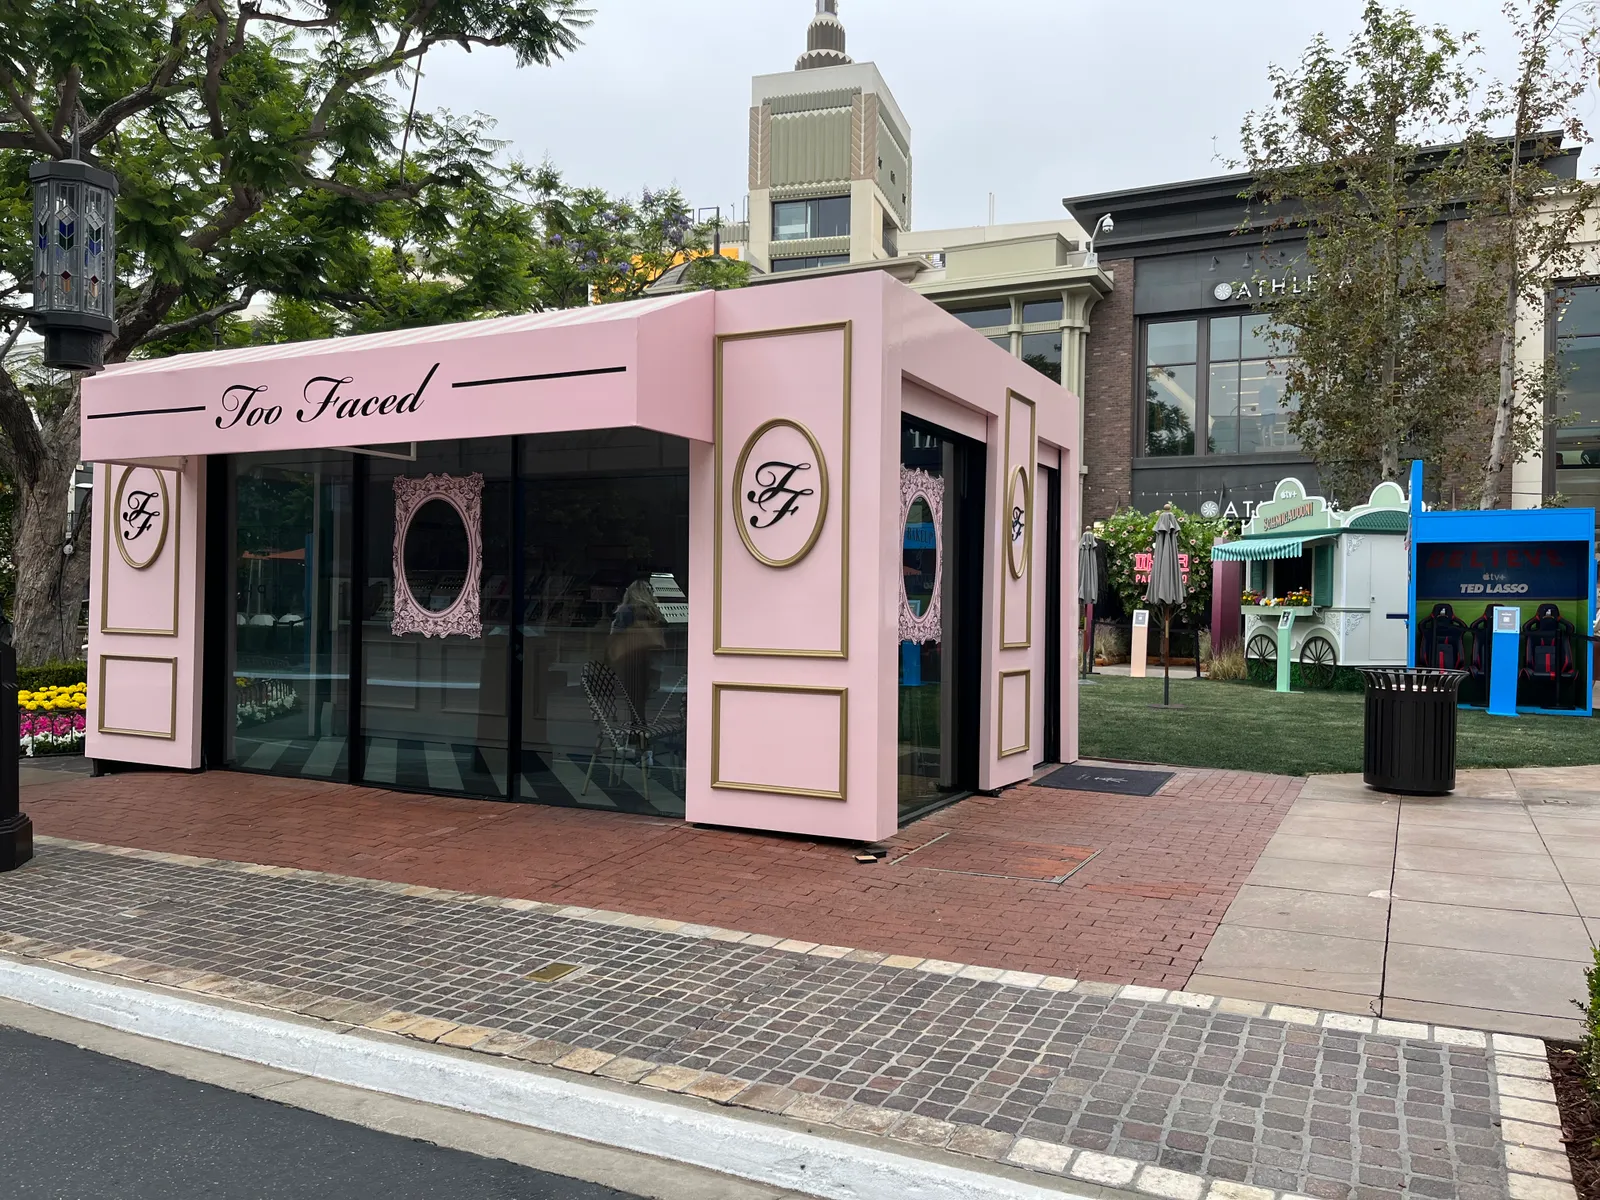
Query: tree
[257,147]
[1533,219]
[605,248]
[1386,362]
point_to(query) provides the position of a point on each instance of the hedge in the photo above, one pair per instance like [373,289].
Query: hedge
[54,674]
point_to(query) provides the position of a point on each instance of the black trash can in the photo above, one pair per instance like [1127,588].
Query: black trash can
[1411,730]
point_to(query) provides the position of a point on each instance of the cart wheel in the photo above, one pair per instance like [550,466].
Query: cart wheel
[1261,657]
[1318,663]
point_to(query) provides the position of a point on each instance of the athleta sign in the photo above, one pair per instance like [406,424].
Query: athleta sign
[341,396]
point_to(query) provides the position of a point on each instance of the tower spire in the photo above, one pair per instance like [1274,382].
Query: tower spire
[824,39]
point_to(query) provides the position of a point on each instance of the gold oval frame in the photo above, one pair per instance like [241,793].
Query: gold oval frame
[116,523]
[761,431]
[1019,476]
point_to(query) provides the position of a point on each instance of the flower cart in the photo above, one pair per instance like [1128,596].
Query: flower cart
[1323,583]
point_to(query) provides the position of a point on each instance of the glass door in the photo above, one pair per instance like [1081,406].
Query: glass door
[941,552]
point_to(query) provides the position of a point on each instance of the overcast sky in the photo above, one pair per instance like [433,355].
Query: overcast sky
[1032,100]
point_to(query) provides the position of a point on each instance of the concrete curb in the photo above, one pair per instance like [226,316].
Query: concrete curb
[747,1149]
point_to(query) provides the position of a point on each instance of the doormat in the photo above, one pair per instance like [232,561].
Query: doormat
[958,853]
[1119,781]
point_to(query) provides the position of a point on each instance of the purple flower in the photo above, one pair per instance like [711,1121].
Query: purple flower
[556,240]
[625,268]
[590,255]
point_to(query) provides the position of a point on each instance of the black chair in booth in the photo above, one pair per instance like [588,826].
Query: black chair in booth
[1442,640]
[1480,658]
[1547,651]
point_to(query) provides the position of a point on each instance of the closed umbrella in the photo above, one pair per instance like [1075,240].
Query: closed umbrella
[1088,591]
[1166,590]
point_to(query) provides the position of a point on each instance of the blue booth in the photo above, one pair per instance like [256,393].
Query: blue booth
[1507,596]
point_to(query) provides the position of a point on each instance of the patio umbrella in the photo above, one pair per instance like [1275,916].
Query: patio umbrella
[1088,591]
[1165,591]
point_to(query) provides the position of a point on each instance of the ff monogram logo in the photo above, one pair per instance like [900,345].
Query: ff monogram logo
[780,497]
[772,486]
[1021,534]
[141,504]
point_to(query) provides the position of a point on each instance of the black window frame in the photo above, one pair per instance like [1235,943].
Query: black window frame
[1202,387]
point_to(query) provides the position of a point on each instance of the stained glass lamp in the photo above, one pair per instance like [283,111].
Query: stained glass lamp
[74,256]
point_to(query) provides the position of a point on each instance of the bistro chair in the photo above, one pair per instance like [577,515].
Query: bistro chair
[616,722]
[671,722]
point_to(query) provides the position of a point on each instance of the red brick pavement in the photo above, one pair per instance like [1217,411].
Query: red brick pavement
[1140,911]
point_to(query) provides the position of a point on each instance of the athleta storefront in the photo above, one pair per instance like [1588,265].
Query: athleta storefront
[785,558]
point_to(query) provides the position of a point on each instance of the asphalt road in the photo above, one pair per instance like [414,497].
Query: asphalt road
[77,1125]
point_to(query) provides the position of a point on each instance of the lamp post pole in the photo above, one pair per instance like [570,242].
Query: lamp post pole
[16,831]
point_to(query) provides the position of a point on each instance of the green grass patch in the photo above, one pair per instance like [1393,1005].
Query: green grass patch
[1237,727]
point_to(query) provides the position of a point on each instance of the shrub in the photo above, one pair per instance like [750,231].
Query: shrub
[1229,665]
[1589,1043]
[54,674]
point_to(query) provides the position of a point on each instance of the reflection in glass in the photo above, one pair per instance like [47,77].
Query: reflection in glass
[1577,432]
[606,573]
[1169,410]
[1224,338]
[828,216]
[435,555]
[927,740]
[1222,408]
[985,317]
[1003,340]
[433,710]
[1577,312]
[289,673]
[1041,310]
[1169,342]
[1042,352]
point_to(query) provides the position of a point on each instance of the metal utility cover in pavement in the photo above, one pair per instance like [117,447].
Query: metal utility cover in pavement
[551,972]
[966,854]
[1119,781]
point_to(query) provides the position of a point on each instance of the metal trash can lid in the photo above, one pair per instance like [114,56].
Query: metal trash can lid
[1412,679]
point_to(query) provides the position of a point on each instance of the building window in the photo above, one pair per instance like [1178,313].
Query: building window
[1577,338]
[1046,312]
[825,217]
[806,262]
[1042,352]
[985,317]
[1217,374]
[891,238]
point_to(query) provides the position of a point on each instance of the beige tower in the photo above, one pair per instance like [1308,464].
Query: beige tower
[830,159]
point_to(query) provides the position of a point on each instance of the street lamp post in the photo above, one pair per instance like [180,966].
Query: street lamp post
[16,831]
[74,261]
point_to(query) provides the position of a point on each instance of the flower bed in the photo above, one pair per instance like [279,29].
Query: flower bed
[260,700]
[50,720]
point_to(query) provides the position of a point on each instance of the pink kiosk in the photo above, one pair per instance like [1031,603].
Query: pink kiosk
[784,558]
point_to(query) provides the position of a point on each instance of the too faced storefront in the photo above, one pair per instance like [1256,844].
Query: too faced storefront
[785,558]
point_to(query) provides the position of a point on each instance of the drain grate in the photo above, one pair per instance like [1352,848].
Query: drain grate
[551,972]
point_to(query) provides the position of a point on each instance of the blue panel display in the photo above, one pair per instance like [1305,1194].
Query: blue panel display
[1502,571]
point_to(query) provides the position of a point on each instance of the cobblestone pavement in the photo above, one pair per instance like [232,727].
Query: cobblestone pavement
[1010,1065]
[1141,910]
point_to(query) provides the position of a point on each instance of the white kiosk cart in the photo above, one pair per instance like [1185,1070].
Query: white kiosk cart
[1326,589]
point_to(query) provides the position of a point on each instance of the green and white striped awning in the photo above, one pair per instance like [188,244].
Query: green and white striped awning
[1255,549]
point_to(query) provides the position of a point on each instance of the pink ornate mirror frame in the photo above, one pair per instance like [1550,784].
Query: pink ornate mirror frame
[913,483]
[464,493]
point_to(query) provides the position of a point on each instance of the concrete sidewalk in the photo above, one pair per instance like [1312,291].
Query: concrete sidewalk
[1480,908]
[1175,1094]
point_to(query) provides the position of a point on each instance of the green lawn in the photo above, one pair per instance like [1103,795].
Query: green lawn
[1239,727]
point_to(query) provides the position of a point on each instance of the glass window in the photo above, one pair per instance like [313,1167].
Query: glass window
[1243,400]
[807,262]
[289,683]
[1003,340]
[433,709]
[1035,311]
[1577,434]
[605,619]
[1170,342]
[828,216]
[1042,352]
[983,318]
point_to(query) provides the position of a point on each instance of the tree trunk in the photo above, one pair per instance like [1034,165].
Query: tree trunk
[51,584]
[1504,406]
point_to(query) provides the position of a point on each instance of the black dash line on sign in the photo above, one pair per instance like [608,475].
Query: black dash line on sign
[146,412]
[535,378]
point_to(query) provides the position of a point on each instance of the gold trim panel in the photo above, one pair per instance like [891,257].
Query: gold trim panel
[803,689]
[719,486]
[1002,751]
[106,533]
[172,717]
